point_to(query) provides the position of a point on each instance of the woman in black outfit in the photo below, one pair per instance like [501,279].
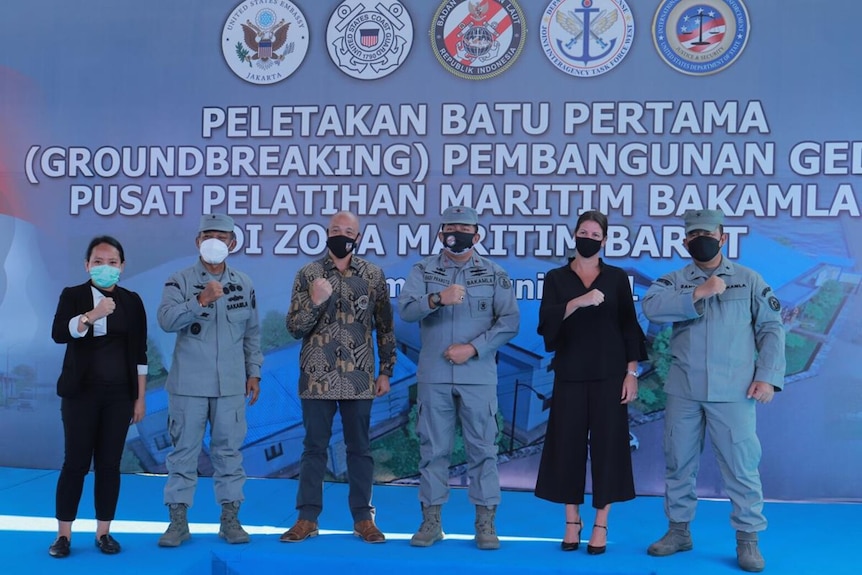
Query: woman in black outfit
[101,385]
[587,318]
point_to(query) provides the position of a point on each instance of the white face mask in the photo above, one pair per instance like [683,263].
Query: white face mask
[213,251]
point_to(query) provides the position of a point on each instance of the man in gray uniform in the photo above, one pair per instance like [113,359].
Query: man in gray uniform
[728,354]
[467,309]
[216,365]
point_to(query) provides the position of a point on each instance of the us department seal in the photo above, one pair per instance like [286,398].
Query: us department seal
[265,43]
[369,42]
[478,39]
[700,37]
[587,37]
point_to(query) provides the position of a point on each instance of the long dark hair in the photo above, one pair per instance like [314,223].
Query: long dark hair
[111,241]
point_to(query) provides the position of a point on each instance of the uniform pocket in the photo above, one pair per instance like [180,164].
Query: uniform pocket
[735,306]
[237,320]
[174,430]
[481,300]
[746,451]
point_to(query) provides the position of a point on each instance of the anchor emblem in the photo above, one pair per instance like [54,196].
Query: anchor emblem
[586,28]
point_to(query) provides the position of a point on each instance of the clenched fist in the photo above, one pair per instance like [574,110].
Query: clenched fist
[453,295]
[592,298]
[211,293]
[105,308]
[320,291]
[712,287]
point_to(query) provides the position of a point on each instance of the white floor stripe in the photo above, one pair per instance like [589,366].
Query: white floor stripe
[49,525]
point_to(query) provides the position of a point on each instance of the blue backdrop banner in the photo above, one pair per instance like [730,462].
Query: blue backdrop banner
[134,118]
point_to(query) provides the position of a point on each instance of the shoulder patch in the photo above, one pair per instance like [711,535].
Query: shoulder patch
[504,282]
[663,281]
[765,291]
[774,303]
[174,284]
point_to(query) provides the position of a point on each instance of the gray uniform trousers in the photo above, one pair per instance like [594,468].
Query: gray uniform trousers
[476,406]
[188,417]
[732,431]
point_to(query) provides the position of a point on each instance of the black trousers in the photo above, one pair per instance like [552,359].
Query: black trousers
[95,424]
[586,415]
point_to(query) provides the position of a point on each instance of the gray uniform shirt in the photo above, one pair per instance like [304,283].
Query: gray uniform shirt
[488,318]
[218,346]
[721,344]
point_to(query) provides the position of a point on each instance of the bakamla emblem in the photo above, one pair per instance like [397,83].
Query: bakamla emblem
[478,39]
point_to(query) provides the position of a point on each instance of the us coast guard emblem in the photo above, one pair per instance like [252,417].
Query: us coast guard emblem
[264,43]
[369,42]
[700,37]
[587,37]
[478,39]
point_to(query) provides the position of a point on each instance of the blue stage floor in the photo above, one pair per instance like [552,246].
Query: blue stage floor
[803,538]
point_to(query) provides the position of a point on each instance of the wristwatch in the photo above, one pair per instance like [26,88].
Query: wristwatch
[634,374]
[85,320]
[436,299]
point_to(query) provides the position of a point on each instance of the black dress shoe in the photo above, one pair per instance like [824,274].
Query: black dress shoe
[108,545]
[573,546]
[60,547]
[598,549]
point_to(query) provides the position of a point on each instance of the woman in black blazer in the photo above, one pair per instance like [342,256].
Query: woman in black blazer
[102,387]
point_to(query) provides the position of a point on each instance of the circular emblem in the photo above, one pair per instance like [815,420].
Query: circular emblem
[478,39]
[369,42]
[587,38]
[774,303]
[700,37]
[265,43]
[195,328]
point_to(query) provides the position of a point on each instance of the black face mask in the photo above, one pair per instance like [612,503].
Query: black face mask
[587,247]
[703,248]
[458,242]
[340,246]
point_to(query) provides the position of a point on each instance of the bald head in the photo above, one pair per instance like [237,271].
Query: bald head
[344,224]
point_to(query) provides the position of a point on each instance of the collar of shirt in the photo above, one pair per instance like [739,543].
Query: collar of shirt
[329,265]
[447,262]
[100,326]
[201,272]
[725,268]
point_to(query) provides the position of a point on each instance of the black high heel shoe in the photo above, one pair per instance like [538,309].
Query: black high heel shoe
[599,549]
[565,545]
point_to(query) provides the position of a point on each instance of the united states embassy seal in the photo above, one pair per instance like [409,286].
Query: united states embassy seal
[700,37]
[264,43]
[369,42]
[478,39]
[587,37]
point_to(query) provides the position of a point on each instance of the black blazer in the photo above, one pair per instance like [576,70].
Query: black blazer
[79,351]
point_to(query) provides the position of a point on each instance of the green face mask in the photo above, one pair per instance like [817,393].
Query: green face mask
[104,276]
